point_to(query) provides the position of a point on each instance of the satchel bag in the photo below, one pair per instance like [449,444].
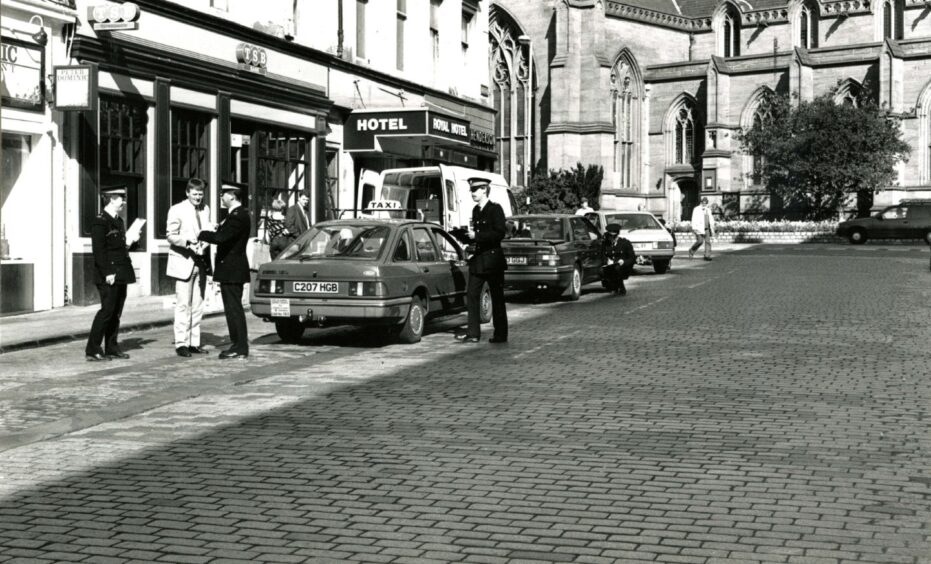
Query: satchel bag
[258,252]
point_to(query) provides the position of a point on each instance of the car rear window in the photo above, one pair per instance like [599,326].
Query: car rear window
[548,228]
[630,221]
[339,241]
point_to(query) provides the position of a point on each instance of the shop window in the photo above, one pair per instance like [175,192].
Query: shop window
[190,158]
[123,126]
[16,150]
[282,165]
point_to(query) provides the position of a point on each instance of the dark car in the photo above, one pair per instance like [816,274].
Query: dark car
[554,253]
[392,273]
[907,220]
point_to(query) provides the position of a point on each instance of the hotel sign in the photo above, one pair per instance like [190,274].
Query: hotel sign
[423,125]
[22,67]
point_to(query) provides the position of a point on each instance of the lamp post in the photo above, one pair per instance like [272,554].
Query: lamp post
[528,110]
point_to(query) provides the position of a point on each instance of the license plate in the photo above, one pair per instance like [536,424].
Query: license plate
[516,260]
[642,246]
[317,287]
[281,307]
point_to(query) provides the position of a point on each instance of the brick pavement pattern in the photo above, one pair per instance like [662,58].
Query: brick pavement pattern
[761,408]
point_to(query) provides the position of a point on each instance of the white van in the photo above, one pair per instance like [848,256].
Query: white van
[440,192]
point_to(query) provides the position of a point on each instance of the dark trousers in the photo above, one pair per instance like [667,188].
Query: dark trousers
[106,324]
[231,292]
[499,314]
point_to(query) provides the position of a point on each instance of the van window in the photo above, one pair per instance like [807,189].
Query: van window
[451,199]
[368,194]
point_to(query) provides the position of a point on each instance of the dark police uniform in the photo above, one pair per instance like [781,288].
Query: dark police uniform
[111,256]
[487,265]
[617,248]
[231,270]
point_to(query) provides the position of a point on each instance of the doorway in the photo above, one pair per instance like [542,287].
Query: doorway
[688,189]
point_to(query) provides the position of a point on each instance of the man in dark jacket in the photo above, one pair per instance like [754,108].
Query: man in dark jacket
[487,264]
[619,260]
[231,268]
[113,270]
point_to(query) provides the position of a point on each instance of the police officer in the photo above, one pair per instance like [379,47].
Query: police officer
[232,267]
[619,260]
[113,270]
[486,265]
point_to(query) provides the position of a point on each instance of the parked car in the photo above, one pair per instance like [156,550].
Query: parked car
[554,253]
[652,242]
[910,219]
[393,273]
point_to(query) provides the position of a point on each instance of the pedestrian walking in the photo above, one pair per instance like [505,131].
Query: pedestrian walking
[232,267]
[584,208]
[113,271]
[189,265]
[619,257]
[296,220]
[703,228]
[486,265]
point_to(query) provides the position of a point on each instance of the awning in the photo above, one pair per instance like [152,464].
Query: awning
[418,130]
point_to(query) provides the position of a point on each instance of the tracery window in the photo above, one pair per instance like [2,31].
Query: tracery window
[512,86]
[893,19]
[625,115]
[808,27]
[684,131]
[762,118]
[731,32]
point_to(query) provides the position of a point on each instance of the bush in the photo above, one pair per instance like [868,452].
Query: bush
[741,226]
[561,191]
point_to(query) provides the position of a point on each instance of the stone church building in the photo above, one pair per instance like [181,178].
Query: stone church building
[654,90]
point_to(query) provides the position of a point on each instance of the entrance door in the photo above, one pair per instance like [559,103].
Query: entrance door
[690,197]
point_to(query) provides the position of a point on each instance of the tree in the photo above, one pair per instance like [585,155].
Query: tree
[814,154]
[561,191]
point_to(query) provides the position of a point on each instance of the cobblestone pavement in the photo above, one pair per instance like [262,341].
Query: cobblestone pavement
[770,406]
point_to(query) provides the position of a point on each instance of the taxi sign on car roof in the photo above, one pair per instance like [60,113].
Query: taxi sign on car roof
[384,205]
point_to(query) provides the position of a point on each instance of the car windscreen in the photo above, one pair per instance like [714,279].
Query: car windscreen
[340,241]
[630,221]
[547,228]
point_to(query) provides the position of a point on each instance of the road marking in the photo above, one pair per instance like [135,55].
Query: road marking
[646,305]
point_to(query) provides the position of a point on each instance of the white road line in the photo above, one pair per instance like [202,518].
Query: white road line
[646,305]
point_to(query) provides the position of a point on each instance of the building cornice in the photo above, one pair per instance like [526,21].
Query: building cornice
[654,17]
[580,127]
[230,28]
[676,71]
[837,8]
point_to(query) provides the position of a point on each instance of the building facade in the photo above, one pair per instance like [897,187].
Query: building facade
[654,90]
[280,97]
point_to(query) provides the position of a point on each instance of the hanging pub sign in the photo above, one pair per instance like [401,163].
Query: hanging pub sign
[75,87]
[111,16]
[23,72]
[252,58]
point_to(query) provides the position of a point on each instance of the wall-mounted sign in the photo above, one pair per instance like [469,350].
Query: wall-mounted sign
[75,87]
[483,139]
[111,16]
[252,58]
[23,74]
[416,126]
[449,127]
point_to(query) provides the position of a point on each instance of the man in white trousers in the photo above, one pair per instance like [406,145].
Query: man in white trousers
[703,227]
[189,265]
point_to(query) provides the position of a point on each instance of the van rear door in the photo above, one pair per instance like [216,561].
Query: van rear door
[369,189]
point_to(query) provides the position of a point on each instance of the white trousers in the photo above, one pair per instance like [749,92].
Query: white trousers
[189,308]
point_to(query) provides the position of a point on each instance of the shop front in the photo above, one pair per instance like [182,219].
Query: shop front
[31,223]
[220,102]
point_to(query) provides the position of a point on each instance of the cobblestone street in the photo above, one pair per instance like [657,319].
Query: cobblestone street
[770,406]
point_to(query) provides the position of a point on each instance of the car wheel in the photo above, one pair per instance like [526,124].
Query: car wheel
[412,329]
[857,237]
[289,330]
[575,288]
[485,304]
[660,266]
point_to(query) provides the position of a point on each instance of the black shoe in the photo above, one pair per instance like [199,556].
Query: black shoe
[118,354]
[467,339]
[707,258]
[96,357]
[198,350]
[183,351]
[461,336]
[498,340]
[691,253]
[232,354]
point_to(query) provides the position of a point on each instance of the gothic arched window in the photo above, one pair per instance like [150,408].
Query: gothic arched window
[731,32]
[684,140]
[512,93]
[893,19]
[625,116]
[762,118]
[808,27]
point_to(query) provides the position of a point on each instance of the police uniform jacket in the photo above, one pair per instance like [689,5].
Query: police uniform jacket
[231,236]
[111,255]
[620,250]
[489,226]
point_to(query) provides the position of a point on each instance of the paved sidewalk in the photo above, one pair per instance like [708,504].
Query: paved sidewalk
[71,323]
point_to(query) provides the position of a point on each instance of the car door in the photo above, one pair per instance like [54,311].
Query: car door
[456,268]
[434,270]
[583,241]
[893,223]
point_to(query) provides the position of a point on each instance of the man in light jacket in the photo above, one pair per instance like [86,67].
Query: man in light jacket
[703,228]
[189,265]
